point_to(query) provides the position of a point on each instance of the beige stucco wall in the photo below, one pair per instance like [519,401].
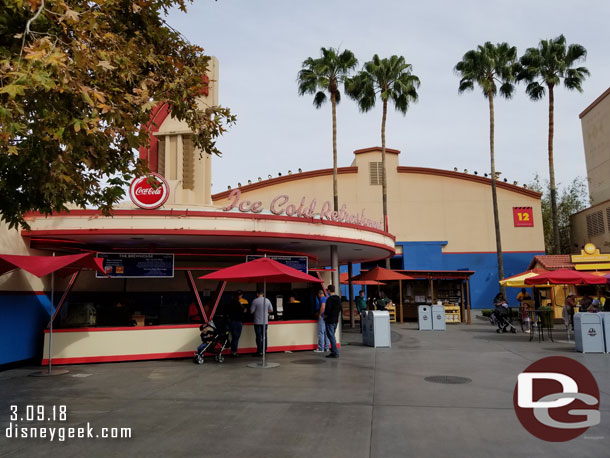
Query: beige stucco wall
[421,207]
[595,122]
[580,234]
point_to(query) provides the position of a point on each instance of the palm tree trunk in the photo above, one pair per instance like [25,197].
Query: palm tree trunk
[494,195]
[555,216]
[333,101]
[384,184]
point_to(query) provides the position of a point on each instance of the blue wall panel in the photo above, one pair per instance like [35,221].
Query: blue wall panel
[484,283]
[22,321]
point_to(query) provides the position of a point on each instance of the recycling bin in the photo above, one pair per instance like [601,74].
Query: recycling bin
[367,329]
[438,318]
[589,333]
[606,327]
[378,329]
[424,316]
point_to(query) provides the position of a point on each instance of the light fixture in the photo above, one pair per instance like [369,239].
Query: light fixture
[289,172]
[260,179]
[269,176]
[524,186]
[515,183]
[476,173]
[229,187]
[505,180]
[455,169]
[465,170]
[249,181]
[279,174]
[300,170]
[239,185]
[486,175]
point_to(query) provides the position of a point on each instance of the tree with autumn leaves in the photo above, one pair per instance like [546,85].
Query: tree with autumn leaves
[78,80]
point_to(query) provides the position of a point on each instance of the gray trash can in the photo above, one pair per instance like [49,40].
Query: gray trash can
[378,328]
[606,328]
[424,314]
[438,318]
[367,329]
[588,333]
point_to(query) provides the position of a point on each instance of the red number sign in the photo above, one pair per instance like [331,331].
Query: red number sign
[523,216]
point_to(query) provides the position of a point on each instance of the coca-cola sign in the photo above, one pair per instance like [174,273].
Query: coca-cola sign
[149,192]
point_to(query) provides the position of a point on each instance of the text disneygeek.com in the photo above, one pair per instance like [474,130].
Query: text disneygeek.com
[23,419]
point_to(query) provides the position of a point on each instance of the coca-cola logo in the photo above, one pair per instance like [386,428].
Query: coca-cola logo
[149,192]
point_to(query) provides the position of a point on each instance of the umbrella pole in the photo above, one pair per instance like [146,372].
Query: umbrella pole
[267,320]
[52,316]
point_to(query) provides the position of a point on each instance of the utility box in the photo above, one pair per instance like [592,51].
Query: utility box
[438,318]
[424,317]
[606,328]
[589,333]
[377,332]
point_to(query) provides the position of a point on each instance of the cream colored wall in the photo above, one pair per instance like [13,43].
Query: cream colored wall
[422,207]
[596,137]
[172,130]
[11,242]
[579,233]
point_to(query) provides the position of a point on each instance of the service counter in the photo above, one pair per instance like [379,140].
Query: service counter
[105,344]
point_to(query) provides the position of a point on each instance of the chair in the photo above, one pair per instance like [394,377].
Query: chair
[391,308]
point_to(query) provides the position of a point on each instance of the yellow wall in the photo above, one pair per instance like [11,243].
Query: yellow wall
[421,207]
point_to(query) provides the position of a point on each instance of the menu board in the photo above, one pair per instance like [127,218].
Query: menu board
[137,265]
[299,263]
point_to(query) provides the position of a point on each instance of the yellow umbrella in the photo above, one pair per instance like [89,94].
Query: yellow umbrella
[518,281]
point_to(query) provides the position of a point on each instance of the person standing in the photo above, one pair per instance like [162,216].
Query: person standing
[361,306]
[261,308]
[332,312]
[237,310]
[323,342]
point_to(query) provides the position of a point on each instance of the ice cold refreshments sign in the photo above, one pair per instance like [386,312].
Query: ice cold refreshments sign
[147,196]
[303,208]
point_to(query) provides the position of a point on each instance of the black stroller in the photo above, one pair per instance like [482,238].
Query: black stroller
[215,338]
[501,317]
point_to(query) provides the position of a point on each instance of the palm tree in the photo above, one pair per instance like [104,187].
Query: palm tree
[325,75]
[490,66]
[547,65]
[394,81]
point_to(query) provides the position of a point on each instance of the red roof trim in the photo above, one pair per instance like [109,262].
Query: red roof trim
[467,177]
[200,213]
[285,179]
[376,148]
[594,103]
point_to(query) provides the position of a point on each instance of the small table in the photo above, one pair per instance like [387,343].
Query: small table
[542,319]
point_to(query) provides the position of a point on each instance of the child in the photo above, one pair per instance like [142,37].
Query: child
[206,334]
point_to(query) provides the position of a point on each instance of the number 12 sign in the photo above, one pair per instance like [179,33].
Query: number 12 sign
[523,216]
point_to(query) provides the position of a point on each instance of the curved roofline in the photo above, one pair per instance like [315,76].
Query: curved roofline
[376,148]
[465,176]
[286,178]
[401,169]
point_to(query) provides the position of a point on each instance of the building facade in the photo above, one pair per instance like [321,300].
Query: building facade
[442,220]
[592,225]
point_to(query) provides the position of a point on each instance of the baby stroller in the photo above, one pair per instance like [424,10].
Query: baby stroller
[501,317]
[215,337]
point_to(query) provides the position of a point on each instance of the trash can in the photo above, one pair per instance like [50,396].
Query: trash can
[606,328]
[378,328]
[424,314]
[438,318]
[589,333]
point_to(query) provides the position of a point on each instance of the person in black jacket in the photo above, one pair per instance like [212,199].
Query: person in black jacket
[331,318]
[237,311]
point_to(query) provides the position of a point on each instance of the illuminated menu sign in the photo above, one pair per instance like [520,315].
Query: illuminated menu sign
[137,265]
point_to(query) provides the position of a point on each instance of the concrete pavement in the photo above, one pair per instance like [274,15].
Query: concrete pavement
[368,403]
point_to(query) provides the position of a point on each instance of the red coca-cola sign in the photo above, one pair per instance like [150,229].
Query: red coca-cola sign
[149,192]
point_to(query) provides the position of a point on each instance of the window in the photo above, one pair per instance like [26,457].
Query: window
[375,173]
[595,224]
[188,163]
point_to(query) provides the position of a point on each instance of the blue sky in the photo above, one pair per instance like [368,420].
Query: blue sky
[261,45]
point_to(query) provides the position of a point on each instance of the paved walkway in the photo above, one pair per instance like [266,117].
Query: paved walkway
[368,403]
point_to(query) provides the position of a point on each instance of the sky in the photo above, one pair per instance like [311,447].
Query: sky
[261,45]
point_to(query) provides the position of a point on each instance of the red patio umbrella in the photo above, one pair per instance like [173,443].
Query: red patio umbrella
[566,277]
[381,274]
[45,265]
[343,278]
[261,270]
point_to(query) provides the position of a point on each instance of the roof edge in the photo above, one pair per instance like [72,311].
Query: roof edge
[594,103]
[376,148]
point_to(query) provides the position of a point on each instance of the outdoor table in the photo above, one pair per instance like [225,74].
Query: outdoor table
[541,320]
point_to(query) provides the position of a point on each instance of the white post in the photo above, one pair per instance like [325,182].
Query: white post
[52,315]
[265,315]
